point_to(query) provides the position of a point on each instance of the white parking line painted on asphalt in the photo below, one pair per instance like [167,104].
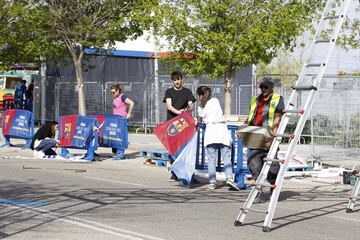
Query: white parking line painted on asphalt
[109,180]
[96,226]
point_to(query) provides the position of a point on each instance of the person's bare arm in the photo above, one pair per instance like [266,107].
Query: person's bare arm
[190,107]
[130,103]
[170,107]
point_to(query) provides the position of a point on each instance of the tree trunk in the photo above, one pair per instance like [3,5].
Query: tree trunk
[227,90]
[80,83]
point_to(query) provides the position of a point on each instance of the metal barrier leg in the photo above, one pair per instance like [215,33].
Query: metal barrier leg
[240,170]
[65,153]
[90,154]
[7,143]
[120,154]
[27,144]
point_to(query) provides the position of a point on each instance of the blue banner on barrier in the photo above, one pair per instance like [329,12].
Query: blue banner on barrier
[76,131]
[114,132]
[83,134]
[17,124]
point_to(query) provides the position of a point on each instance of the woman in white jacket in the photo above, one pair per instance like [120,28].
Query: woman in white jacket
[217,136]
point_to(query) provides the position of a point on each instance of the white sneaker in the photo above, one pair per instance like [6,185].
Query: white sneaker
[39,154]
[232,185]
[212,186]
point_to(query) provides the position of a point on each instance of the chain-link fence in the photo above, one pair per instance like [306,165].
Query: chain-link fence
[58,96]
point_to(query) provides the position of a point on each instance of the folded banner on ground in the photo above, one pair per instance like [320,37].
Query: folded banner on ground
[17,124]
[176,132]
[184,164]
[113,131]
[76,131]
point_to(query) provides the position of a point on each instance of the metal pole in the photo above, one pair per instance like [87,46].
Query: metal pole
[43,92]
[156,71]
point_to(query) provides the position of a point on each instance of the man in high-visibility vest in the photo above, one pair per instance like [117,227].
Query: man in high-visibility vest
[265,111]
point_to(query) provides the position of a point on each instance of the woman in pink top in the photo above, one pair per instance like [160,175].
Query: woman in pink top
[120,104]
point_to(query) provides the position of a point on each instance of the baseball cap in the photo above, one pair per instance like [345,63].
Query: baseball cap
[267,82]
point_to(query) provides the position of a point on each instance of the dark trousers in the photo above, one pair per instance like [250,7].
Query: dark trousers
[255,162]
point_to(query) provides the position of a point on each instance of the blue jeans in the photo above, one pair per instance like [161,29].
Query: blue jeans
[46,146]
[225,152]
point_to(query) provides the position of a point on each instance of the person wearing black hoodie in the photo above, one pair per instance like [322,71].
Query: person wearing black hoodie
[43,140]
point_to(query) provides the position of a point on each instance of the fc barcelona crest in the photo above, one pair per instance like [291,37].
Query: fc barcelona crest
[177,127]
[6,120]
[67,130]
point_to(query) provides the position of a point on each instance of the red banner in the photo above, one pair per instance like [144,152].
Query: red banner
[67,130]
[176,132]
[7,119]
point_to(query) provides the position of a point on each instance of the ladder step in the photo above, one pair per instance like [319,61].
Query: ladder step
[253,210]
[354,198]
[300,88]
[300,111]
[332,17]
[274,160]
[323,41]
[286,135]
[259,185]
[315,64]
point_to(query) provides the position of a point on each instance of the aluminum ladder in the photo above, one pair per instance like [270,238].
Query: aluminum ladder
[355,192]
[333,18]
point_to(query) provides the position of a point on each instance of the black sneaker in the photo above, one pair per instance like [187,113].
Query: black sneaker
[173,178]
[195,181]
[260,198]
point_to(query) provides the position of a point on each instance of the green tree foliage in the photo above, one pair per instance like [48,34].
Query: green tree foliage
[285,66]
[44,29]
[224,35]
[80,24]
[350,37]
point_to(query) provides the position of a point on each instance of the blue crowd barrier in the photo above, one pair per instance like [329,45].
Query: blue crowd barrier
[78,132]
[113,133]
[236,155]
[17,124]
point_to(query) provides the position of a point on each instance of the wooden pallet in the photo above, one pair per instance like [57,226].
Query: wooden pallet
[156,157]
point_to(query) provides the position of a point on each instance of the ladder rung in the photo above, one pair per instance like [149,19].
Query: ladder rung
[286,135]
[274,160]
[300,111]
[354,198]
[314,64]
[253,210]
[260,185]
[332,17]
[299,88]
[322,41]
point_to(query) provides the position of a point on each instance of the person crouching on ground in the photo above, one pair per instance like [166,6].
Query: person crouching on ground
[44,140]
[217,136]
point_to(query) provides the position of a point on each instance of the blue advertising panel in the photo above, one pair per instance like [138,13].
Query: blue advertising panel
[114,132]
[18,124]
[83,133]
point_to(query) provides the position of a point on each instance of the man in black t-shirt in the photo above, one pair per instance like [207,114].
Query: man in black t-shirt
[177,99]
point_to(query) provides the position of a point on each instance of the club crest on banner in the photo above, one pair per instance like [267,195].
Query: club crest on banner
[7,117]
[177,126]
[67,130]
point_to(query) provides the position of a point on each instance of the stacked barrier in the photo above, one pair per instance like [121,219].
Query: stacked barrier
[17,124]
[78,132]
[236,155]
[113,132]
